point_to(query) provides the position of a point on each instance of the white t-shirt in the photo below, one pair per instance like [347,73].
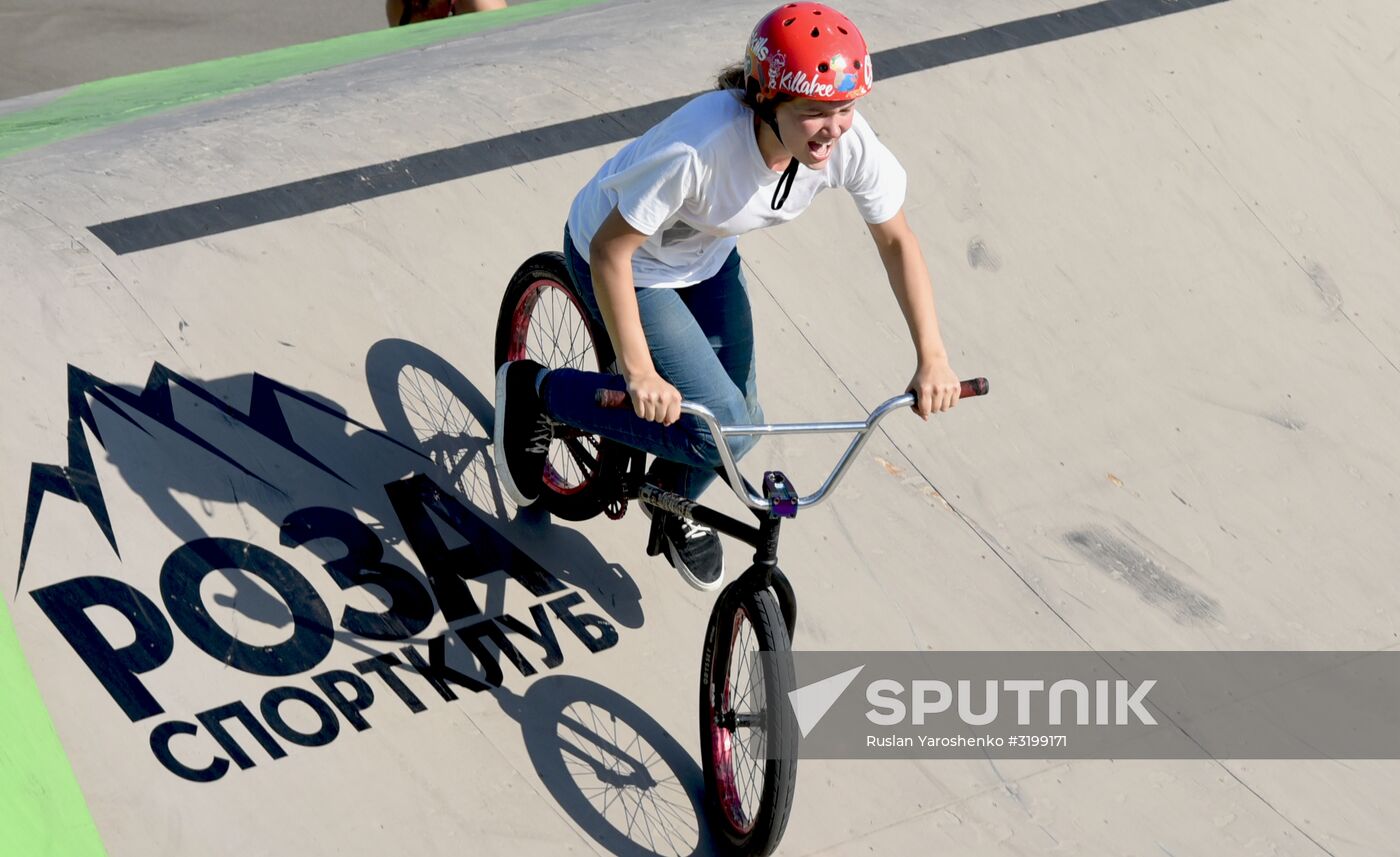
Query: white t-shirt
[696,181]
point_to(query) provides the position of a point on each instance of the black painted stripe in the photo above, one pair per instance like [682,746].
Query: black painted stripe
[201,219]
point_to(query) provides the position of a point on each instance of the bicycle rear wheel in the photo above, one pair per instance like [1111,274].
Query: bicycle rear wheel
[543,319]
[748,734]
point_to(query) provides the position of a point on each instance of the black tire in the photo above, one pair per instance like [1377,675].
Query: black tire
[543,318]
[748,815]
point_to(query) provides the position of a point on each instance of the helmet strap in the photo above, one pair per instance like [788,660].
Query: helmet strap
[784,186]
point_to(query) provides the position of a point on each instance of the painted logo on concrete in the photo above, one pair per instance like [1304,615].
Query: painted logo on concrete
[407,546]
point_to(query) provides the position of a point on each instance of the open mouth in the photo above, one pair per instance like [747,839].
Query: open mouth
[820,151]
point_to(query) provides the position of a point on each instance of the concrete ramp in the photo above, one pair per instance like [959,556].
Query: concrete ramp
[267,596]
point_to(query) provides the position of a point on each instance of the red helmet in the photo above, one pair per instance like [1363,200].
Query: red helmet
[808,50]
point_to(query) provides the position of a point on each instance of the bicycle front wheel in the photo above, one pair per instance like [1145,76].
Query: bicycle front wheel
[748,733]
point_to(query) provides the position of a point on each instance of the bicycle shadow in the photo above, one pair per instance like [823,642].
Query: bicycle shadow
[609,765]
[427,404]
[184,446]
[617,772]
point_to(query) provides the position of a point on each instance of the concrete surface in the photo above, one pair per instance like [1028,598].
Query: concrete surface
[1169,243]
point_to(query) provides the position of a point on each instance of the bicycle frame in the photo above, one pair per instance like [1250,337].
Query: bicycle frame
[763,573]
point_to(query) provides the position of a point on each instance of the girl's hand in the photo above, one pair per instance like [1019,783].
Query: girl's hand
[654,399]
[935,387]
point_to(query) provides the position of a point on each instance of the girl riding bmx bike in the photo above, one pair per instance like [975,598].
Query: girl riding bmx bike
[651,248]
[650,279]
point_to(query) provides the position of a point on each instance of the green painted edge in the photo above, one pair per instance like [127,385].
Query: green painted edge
[103,103]
[45,812]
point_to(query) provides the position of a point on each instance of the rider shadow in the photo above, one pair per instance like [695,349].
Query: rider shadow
[425,403]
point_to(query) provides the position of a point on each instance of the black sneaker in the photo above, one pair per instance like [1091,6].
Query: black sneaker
[693,549]
[523,432]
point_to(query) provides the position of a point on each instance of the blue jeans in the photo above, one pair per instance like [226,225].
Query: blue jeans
[701,340]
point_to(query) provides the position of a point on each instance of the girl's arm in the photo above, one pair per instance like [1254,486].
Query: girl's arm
[610,258]
[934,385]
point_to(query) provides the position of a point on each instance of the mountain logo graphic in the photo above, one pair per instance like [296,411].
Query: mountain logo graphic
[810,703]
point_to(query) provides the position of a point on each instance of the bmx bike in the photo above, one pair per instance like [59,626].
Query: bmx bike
[748,732]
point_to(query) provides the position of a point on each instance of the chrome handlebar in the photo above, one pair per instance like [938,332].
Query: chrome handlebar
[616,398]
[741,488]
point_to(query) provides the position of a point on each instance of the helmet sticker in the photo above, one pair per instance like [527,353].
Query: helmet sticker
[799,83]
[759,47]
[776,65]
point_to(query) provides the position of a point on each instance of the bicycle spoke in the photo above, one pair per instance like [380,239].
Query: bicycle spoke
[582,457]
[555,332]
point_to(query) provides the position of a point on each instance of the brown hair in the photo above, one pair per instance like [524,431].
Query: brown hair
[733,77]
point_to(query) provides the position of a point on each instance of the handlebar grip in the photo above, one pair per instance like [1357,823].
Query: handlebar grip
[974,387]
[606,398]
